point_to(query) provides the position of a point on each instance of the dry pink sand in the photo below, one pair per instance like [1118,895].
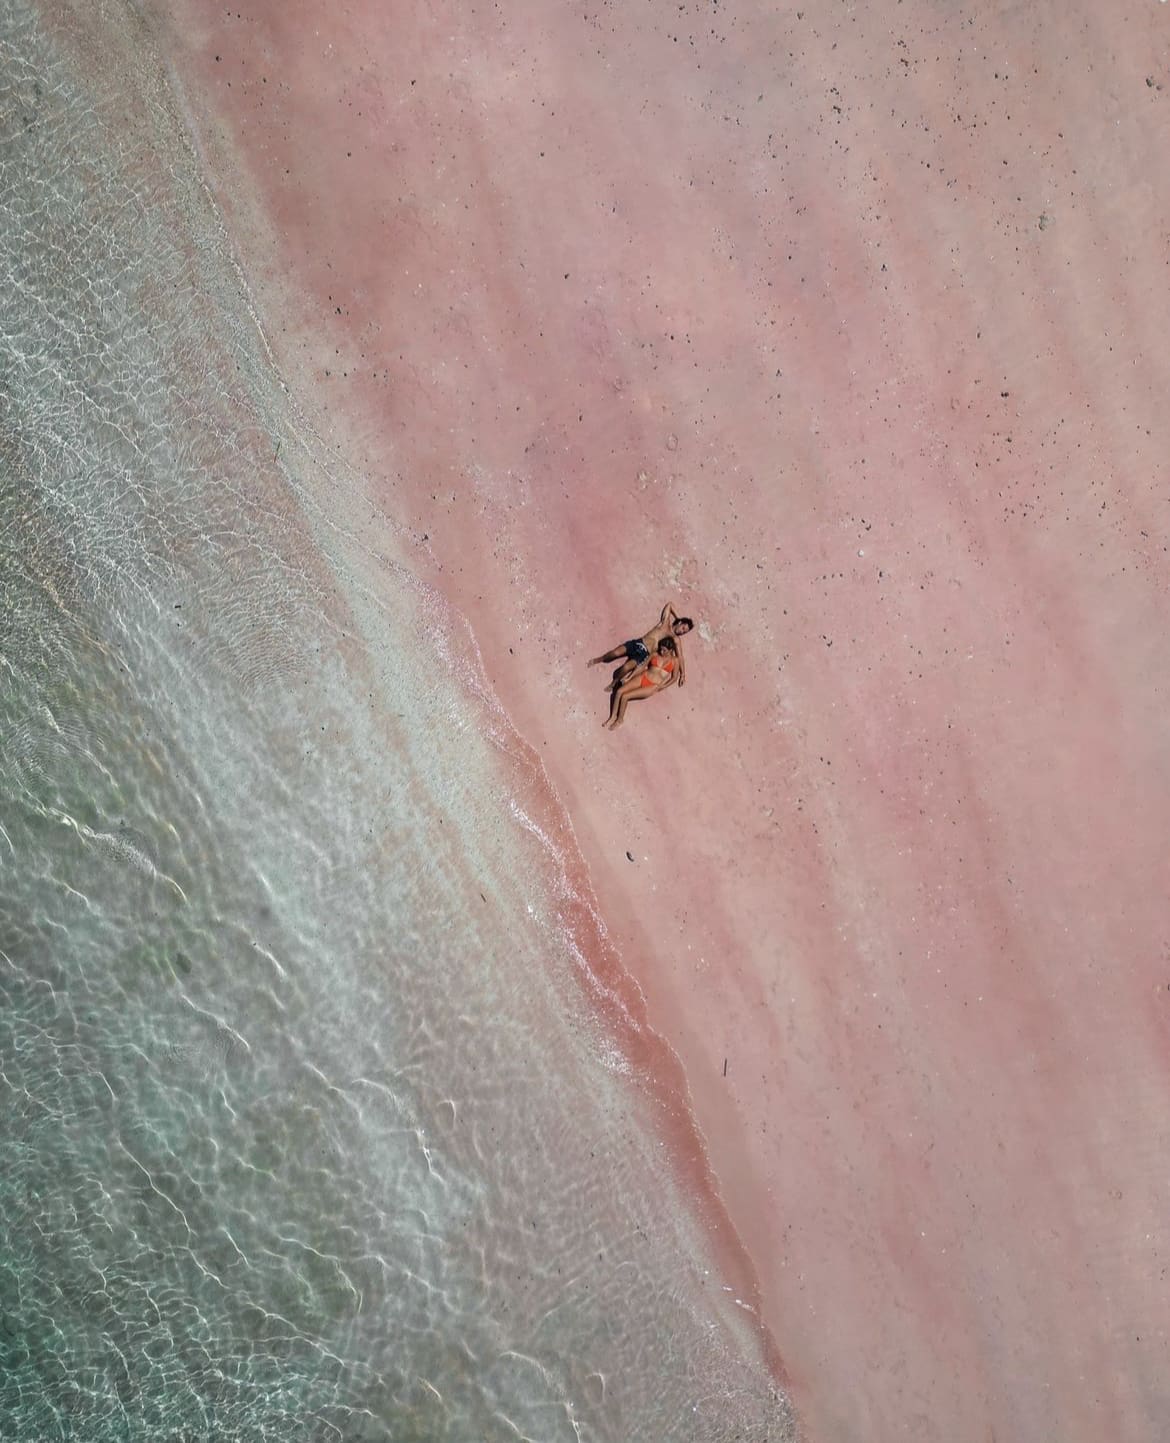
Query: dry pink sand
[844,327]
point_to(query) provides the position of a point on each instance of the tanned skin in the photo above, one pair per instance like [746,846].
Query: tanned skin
[636,690]
[669,624]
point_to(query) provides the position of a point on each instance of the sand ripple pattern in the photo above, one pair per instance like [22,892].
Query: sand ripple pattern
[302,1139]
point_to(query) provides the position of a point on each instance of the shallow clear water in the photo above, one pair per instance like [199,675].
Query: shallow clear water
[306,1134]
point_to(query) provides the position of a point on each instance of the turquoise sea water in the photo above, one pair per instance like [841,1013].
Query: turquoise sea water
[306,1132]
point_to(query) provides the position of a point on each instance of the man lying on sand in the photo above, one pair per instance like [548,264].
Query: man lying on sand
[663,669]
[636,654]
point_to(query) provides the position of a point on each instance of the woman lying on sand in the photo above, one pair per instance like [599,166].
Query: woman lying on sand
[663,669]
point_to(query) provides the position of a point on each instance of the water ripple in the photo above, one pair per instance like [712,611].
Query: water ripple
[297,1145]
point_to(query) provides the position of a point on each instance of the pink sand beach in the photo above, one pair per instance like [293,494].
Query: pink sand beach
[842,328]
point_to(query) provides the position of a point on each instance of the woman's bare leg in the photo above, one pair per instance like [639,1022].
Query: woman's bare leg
[614,703]
[636,692]
[632,691]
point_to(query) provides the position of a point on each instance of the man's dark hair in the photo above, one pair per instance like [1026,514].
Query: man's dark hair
[684,621]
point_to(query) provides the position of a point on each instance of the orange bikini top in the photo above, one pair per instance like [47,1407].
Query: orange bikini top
[667,663]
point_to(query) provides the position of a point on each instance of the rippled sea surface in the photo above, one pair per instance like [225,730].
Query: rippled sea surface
[305,1133]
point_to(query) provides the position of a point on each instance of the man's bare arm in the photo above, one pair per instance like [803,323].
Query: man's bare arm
[669,616]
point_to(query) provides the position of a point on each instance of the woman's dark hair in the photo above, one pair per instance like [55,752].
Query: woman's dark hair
[684,621]
[667,644]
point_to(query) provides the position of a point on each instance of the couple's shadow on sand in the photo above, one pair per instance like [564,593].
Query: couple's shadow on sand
[648,664]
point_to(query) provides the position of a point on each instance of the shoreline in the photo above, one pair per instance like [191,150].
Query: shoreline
[877,856]
[608,985]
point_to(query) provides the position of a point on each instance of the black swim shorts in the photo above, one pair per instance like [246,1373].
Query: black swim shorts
[636,651]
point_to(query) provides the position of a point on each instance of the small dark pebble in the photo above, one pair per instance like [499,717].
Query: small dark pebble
[630,855]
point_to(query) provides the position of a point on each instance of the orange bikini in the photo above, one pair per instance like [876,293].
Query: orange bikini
[656,661]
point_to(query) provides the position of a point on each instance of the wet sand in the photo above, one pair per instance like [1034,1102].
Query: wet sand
[840,328]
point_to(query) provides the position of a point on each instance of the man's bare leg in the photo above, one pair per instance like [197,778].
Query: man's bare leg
[617,654]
